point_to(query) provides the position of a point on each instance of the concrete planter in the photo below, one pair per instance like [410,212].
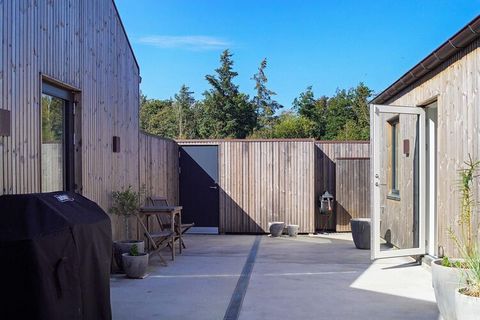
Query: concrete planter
[276,228]
[361,232]
[292,230]
[446,281]
[121,247]
[135,266]
[466,307]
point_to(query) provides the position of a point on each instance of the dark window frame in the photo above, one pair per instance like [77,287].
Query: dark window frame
[394,192]
[68,126]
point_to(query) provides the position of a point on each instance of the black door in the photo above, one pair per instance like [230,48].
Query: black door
[198,187]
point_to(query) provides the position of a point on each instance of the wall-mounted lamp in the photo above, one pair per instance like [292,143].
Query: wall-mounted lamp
[116,144]
[5,123]
[326,203]
[406,147]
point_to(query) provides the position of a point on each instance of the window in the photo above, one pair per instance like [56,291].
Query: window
[56,139]
[394,158]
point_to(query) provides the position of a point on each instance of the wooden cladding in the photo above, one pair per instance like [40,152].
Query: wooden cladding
[265,180]
[454,85]
[327,153]
[352,190]
[80,46]
[159,167]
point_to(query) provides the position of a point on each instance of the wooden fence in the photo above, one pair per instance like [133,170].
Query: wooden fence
[265,180]
[352,191]
[326,155]
[159,167]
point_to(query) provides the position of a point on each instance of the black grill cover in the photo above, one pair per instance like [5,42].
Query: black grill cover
[55,253]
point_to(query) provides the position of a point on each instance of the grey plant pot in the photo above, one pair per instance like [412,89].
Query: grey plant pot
[124,246]
[466,307]
[446,281]
[135,266]
[361,232]
[292,230]
[276,228]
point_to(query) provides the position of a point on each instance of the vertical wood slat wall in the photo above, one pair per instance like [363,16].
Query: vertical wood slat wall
[159,167]
[454,85]
[326,153]
[352,191]
[263,181]
[158,170]
[83,45]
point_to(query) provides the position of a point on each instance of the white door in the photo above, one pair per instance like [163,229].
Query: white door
[398,181]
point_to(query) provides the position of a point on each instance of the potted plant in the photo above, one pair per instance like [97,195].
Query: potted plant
[447,273]
[126,203]
[135,263]
[467,298]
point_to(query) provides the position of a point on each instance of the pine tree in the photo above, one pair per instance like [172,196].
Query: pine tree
[226,112]
[312,109]
[264,104]
[183,105]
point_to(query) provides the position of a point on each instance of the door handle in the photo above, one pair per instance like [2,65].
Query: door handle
[213,187]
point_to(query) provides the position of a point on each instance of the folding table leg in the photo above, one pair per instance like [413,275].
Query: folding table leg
[152,241]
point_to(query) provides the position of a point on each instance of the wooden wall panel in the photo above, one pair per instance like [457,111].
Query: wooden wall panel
[263,181]
[455,85]
[326,153]
[159,167]
[352,191]
[81,44]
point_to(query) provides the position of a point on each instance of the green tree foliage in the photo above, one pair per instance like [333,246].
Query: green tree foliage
[170,118]
[52,119]
[264,104]
[184,107]
[312,109]
[349,112]
[339,111]
[292,126]
[159,117]
[226,112]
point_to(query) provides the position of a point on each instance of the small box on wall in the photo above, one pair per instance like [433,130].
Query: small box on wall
[5,123]
[406,147]
[116,144]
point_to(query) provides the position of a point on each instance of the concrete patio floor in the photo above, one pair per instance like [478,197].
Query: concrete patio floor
[258,277]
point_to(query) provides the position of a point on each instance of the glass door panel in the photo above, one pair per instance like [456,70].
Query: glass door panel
[398,227]
[53,143]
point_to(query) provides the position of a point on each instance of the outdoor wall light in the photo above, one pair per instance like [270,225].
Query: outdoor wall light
[116,144]
[5,123]
[326,203]
[406,147]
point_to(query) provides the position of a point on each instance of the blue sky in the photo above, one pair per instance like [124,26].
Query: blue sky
[326,44]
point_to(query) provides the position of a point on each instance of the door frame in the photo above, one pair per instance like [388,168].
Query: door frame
[431,178]
[197,229]
[72,128]
[375,111]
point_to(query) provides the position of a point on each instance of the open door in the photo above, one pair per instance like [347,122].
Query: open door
[398,181]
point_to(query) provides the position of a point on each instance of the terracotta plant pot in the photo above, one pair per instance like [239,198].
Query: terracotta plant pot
[135,266]
[466,307]
[446,281]
[121,247]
